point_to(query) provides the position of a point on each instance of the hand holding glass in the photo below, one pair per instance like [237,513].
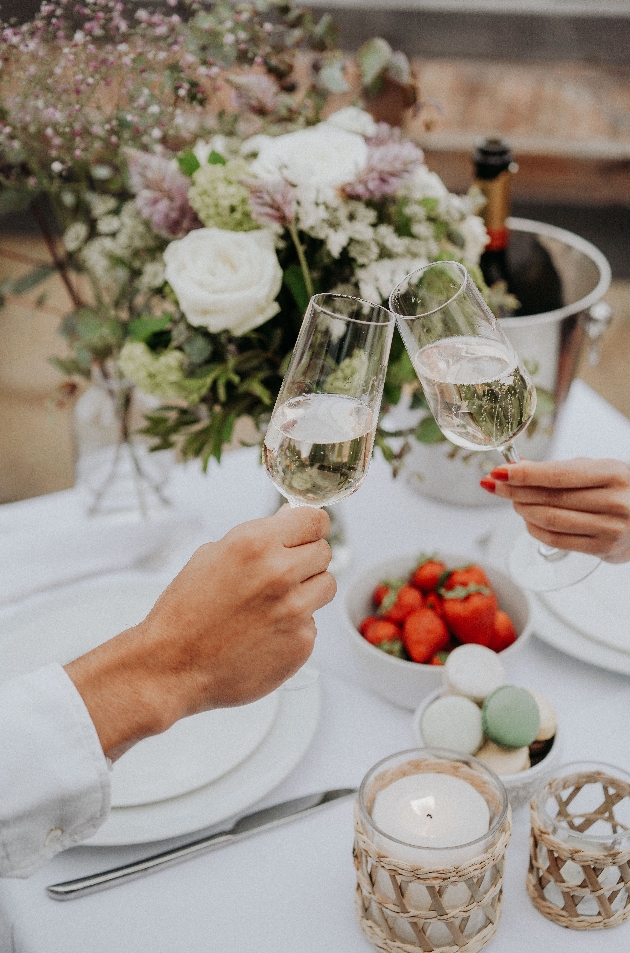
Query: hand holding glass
[480,394]
[320,437]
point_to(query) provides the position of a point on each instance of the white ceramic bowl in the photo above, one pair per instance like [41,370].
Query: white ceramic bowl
[520,787]
[407,683]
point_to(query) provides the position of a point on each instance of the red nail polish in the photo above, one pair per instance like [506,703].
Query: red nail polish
[500,473]
[488,485]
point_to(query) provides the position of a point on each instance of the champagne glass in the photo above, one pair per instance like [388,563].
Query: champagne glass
[320,437]
[480,394]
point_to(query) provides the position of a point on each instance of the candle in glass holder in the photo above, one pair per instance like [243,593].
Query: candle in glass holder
[434,811]
[427,821]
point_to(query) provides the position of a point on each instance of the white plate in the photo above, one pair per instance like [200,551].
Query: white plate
[61,624]
[274,759]
[548,626]
[558,634]
[598,606]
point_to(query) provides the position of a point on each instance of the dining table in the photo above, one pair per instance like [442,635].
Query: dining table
[291,889]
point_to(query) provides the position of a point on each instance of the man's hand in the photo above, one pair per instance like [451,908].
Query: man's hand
[580,504]
[231,627]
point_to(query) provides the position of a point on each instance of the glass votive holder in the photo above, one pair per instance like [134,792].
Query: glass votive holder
[579,873]
[431,831]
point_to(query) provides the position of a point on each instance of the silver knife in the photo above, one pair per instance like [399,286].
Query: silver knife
[258,821]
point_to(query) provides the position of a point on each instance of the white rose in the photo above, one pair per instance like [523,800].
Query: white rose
[225,281]
[320,155]
[353,119]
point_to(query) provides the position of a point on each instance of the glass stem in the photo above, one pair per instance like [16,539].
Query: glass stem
[552,553]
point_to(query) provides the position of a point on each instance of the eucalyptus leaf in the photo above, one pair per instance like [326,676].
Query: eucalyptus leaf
[373,58]
[15,200]
[141,329]
[197,349]
[33,278]
[188,163]
[294,280]
[429,432]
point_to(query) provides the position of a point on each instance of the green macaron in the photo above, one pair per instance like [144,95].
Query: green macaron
[510,717]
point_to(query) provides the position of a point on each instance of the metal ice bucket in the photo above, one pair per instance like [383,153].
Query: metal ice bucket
[551,345]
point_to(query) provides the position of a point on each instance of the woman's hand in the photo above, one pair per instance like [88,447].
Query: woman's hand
[231,627]
[580,504]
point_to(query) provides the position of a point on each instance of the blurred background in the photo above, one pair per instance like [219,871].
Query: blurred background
[553,76]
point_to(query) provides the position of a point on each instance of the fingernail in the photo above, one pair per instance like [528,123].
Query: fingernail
[500,473]
[488,485]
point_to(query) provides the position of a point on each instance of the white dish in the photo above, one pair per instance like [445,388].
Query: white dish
[406,683]
[273,760]
[559,635]
[548,626]
[598,607]
[64,623]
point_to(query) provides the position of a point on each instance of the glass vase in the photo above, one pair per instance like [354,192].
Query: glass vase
[116,473]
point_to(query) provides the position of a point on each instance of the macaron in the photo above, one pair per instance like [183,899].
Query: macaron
[548,717]
[452,721]
[504,760]
[510,717]
[474,671]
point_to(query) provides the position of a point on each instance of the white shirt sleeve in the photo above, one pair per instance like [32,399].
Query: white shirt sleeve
[55,787]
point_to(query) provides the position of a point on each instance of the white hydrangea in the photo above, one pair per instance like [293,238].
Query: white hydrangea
[152,276]
[337,223]
[101,204]
[75,236]
[134,233]
[473,231]
[98,256]
[378,280]
[108,224]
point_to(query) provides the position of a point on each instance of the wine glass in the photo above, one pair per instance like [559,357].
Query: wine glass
[320,437]
[480,394]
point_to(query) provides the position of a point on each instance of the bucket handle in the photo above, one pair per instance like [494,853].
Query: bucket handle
[598,318]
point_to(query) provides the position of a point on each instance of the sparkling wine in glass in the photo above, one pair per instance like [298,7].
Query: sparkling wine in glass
[479,392]
[320,437]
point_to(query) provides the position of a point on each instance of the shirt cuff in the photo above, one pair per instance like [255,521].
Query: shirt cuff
[55,785]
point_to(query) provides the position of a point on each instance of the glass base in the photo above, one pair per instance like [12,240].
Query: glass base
[531,568]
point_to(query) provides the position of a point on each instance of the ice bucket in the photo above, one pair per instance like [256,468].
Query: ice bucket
[550,343]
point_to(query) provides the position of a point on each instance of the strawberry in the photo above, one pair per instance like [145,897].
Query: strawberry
[366,623]
[439,658]
[400,603]
[469,612]
[381,630]
[472,575]
[504,631]
[433,601]
[380,593]
[427,574]
[424,634]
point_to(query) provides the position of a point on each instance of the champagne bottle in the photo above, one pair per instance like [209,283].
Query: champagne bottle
[527,272]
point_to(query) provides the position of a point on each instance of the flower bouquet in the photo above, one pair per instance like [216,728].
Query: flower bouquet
[208,170]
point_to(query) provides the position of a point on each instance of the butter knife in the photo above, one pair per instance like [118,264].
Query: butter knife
[261,820]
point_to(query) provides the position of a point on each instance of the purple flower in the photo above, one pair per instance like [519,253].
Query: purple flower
[255,92]
[161,194]
[391,161]
[272,201]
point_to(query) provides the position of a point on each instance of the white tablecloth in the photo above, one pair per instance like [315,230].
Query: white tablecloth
[290,890]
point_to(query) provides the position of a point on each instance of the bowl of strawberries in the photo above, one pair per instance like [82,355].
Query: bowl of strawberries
[403,617]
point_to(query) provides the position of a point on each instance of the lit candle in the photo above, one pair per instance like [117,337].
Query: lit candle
[438,812]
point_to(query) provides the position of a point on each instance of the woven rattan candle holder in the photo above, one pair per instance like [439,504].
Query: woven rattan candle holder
[404,907]
[579,870]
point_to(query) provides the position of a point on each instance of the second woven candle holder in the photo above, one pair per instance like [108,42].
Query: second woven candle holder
[411,898]
[579,870]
